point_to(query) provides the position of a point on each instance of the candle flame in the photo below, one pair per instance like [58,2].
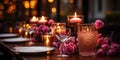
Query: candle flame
[33,18]
[42,18]
[75,15]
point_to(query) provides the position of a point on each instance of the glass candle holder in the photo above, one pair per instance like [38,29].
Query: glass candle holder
[60,30]
[47,39]
[57,25]
[43,20]
[74,19]
[87,39]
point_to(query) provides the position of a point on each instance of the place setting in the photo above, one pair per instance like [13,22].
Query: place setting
[15,40]
[8,35]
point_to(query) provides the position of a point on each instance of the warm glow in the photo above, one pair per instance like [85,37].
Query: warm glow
[71,1]
[34,12]
[6,1]
[26,4]
[10,29]
[53,10]
[26,33]
[47,40]
[75,15]
[20,30]
[34,19]
[42,20]
[50,1]
[24,25]
[27,25]
[32,3]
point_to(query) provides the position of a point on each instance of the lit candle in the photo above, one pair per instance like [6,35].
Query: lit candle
[26,34]
[75,19]
[20,30]
[57,26]
[34,19]
[10,29]
[42,20]
[60,30]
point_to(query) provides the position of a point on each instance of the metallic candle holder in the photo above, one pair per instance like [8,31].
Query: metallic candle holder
[87,39]
[47,39]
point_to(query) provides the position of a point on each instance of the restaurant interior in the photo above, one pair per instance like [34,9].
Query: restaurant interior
[52,25]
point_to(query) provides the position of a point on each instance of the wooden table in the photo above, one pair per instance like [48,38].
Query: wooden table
[53,55]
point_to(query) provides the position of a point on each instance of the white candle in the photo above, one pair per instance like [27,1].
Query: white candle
[42,20]
[75,19]
[34,19]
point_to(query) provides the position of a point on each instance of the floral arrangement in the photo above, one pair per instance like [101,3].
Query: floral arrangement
[66,47]
[106,47]
[41,29]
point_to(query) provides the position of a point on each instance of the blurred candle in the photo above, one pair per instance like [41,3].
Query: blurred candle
[10,29]
[57,26]
[34,19]
[20,30]
[42,20]
[75,19]
[60,30]
[26,34]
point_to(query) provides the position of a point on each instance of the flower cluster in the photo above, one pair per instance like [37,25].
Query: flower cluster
[66,47]
[42,29]
[107,47]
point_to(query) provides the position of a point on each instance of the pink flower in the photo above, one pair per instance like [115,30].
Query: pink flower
[51,21]
[115,46]
[99,24]
[100,52]
[61,48]
[111,52]
[106,40]
[99,35]
[72,39]
[56,44]
[37,33]
[105,47]
[45,28]
[100,41]
[69,49]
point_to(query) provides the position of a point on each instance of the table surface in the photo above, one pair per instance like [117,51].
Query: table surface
[53,55]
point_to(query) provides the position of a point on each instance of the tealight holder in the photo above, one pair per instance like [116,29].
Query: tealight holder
[73,19]
[43,20]
[57,26]
[47,39]
[87,39]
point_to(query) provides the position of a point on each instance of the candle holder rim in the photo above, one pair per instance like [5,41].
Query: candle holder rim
[76,15]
